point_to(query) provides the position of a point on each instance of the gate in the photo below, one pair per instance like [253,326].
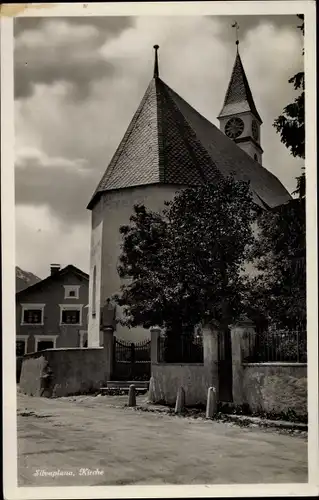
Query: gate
[225,373]
[131,361]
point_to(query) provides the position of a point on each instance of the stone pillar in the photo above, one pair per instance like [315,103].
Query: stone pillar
[155,333]
[241,332]
[210,344]
[153,394]
[108,340]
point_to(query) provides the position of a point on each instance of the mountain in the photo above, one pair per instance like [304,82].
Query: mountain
[25,279]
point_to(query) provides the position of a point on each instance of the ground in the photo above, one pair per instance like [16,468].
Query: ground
[118,445]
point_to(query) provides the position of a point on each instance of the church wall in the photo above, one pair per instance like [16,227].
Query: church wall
[251,150]
[95,262]
[113,210]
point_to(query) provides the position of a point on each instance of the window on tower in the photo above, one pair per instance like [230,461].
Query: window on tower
[255,157]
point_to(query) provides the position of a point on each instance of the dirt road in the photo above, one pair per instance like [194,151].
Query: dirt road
[91,442]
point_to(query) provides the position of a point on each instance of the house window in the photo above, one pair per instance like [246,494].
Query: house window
[71,291]
[21,345]
[94,292]
[32,314]
[70,315]
[43,342]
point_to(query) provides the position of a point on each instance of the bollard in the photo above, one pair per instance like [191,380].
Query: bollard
[131,396]
[151,390]
[211,406]
[180,400]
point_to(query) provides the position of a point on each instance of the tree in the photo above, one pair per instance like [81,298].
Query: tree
[291,123]
[278,293]
[185,264]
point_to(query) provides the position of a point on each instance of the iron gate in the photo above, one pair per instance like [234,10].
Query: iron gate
[225,373]
[131,361]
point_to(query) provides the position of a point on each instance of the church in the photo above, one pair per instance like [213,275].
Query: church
[169,146]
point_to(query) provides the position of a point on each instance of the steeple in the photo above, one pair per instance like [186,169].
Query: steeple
[238,96]
[239,118]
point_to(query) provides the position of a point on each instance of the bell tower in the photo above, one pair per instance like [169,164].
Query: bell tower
[239,118]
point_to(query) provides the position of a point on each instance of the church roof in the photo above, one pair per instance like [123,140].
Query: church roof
[238,97]
[169,142]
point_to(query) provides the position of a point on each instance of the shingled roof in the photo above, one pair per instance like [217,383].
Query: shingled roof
[169,142]
[238,97]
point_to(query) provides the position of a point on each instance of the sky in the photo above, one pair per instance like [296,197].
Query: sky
[78,82]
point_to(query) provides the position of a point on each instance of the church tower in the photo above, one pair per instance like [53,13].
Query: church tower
[239,118]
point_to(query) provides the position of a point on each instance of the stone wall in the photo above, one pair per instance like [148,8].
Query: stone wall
[63,372]
[195,378]
[275,387]
[169,377]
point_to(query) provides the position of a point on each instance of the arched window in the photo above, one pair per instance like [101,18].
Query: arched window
[94,292]
[255,157]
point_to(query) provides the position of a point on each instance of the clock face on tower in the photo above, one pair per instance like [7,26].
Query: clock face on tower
[234,128]
[254,128]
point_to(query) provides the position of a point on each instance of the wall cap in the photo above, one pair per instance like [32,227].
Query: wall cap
[276,363]
[178,364]
[155,329]
[242,323]
[58,349]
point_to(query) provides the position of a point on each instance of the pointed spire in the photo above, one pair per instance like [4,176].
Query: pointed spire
[156,71]
[238,97]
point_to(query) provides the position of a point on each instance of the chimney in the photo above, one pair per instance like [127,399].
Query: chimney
[55,268]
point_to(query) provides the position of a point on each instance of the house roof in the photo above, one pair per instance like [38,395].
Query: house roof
[58,274]
[238,97]
[169,142]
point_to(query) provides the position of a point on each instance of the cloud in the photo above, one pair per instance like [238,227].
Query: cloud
[39,241]
[58,184]
[62,50]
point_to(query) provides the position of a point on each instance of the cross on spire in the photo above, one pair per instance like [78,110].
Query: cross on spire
[236,25]
[156,71]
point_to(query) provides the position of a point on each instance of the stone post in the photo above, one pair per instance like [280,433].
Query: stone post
[180,400]
[240,348]
[132,395]
[151,391]
[210,344]
[211,405]
[108,340]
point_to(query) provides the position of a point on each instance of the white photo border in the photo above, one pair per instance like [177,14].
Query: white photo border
[231,8]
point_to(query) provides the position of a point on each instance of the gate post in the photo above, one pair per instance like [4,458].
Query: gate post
[108,346]
[238,332]
[210,344]
[132,371]
[155,333]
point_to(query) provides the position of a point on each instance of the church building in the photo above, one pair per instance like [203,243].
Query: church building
[169,146]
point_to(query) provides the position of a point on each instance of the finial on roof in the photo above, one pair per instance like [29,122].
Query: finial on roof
[236,25]
[156,72]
